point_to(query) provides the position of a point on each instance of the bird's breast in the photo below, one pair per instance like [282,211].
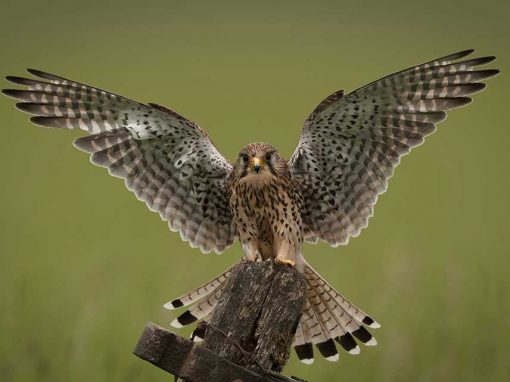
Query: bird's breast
[263,209]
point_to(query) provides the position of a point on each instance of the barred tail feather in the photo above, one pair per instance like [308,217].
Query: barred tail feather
[302,344]
[338,324]
[324,323]
[329,317]
[200,310]
[304,350]
[198,334]
[200,292]
[345,304]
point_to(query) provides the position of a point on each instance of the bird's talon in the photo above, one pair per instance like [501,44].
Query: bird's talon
[288,262]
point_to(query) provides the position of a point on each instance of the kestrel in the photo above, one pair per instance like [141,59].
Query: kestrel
[347,151]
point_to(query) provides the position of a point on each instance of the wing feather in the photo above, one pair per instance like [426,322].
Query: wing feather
[167,161]
[350,145]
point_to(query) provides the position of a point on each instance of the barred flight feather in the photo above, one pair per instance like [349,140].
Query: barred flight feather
[201,292]
[199,311]
[327,317]
[198,334]
[314,315]
[358,140]
[167,161]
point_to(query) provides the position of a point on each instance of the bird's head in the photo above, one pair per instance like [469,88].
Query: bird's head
[259,163]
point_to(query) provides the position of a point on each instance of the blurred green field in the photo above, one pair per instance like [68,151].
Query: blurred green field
[84,265]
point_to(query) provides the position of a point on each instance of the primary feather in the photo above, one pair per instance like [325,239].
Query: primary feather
[167,161]
[351,144]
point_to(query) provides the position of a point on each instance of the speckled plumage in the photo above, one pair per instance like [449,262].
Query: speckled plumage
[347,151]
[266,206]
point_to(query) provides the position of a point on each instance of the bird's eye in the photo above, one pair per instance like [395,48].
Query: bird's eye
[244,157]
[268,157]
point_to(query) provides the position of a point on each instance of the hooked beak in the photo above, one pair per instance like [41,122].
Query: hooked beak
[257,164]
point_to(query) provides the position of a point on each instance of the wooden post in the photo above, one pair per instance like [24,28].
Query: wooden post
[250,333]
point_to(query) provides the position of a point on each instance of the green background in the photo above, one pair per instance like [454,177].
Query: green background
[84,265]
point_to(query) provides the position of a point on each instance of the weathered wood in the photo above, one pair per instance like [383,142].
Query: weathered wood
[250,333]
[259,310]
[193,362]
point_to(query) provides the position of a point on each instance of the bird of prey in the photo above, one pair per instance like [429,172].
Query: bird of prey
[347,151]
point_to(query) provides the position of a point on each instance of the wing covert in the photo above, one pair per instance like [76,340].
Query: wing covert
[350,145]
[167,161]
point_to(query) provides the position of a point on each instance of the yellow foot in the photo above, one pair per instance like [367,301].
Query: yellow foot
[286,261]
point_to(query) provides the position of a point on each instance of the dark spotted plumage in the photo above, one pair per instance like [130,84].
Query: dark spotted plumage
[357,140]
[266,205]
[347,151]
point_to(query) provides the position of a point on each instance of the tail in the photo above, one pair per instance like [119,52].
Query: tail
[204,299]
[327,317]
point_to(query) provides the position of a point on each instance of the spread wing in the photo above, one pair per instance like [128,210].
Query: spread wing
[351,144]
[167,161]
